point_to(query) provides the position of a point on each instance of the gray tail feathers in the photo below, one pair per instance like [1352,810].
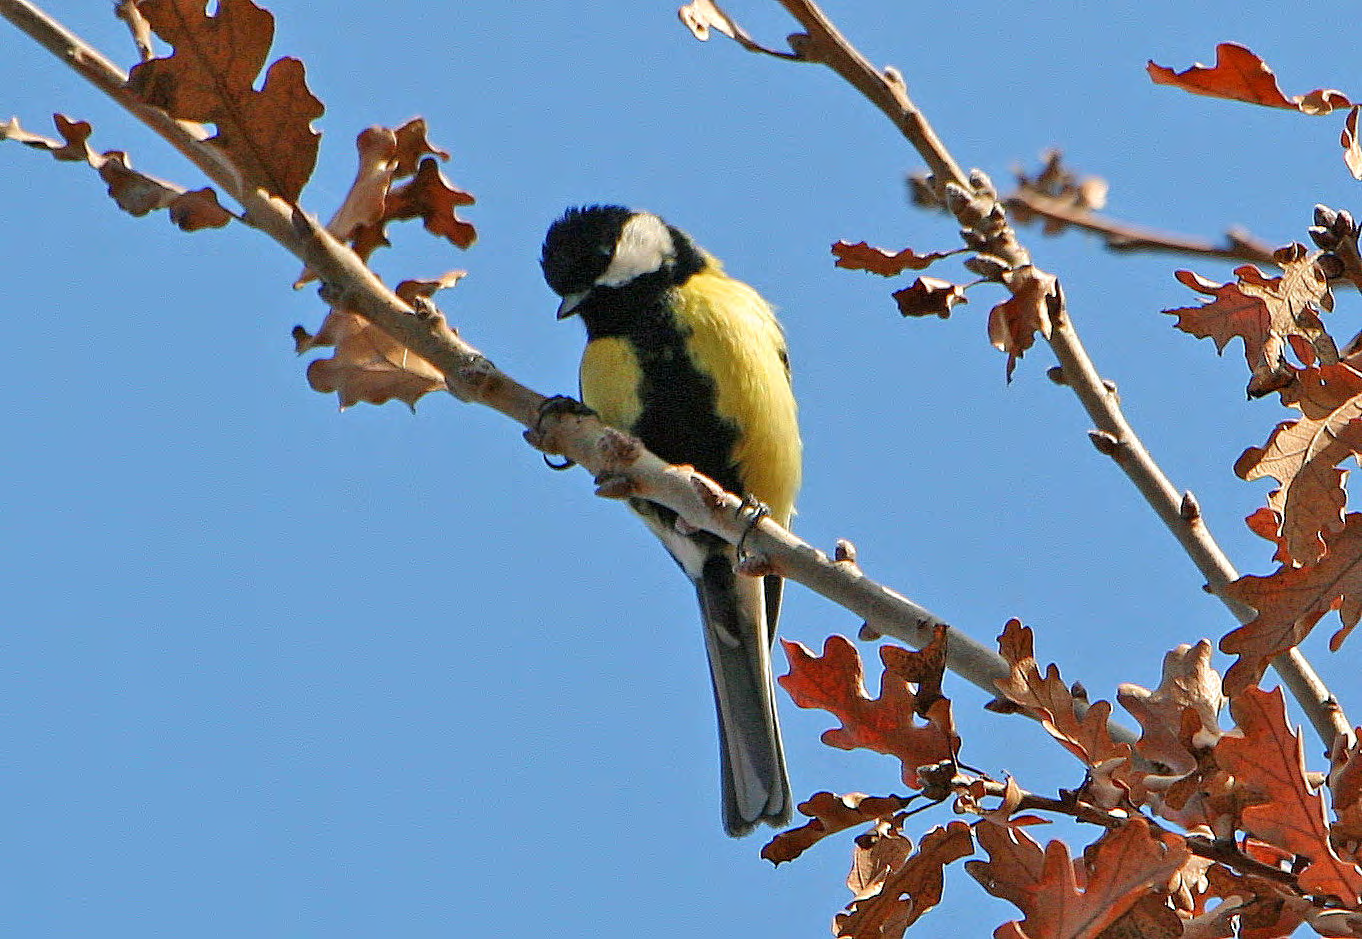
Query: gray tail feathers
[738,634]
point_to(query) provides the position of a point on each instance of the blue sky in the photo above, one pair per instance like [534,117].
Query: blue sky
[271,670]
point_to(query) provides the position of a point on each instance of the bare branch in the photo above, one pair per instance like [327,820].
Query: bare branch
[975,203]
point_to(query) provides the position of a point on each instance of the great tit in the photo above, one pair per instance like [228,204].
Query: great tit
[694,364]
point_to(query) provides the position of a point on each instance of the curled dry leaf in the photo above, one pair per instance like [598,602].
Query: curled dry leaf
[1240,75]
[829,814]
[413,290]
[835,683]
[929,296]
[1036,300]
[1189,683]
[862,257]
[1267,759]
[386,156]
[1352,151]
[1046,698]
[892,888]
[700,16]
[210,77]
[136,193]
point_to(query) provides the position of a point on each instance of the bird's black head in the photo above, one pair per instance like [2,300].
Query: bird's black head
[579,246]
[610,248]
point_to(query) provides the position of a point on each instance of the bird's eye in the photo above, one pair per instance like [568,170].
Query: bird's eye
[605,250]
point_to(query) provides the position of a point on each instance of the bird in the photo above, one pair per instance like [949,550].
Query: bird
[694,364]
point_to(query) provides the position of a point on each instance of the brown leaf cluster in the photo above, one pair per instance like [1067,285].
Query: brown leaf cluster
[1060,187]
[1318,546]
[893,885]
[1260,855]
[135,192]
[1079,728]
[397,179]
[265,133]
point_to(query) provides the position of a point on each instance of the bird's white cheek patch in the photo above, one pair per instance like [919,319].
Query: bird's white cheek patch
[644,246]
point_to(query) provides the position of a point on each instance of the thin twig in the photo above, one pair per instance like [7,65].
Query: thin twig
[1124,236]
[886,90]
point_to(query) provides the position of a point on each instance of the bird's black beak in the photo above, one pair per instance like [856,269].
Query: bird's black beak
[569,305]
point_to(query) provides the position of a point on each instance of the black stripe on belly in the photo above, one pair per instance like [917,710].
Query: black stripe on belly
[680,422]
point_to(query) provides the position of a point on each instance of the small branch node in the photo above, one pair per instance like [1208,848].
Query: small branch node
[615,486]
[1056,375]
[844,552]
[1189,509]
[1106,444]
[472,379]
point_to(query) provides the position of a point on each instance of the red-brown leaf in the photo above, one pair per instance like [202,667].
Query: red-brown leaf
[368,365]
[929,296]
[1291,601]
[1079,898]
[834,682]
[1189,682]
[1049,700]
[1240,75]
[892,890]
[828,814]
[862,257]
[1267,758]
[210,77]
[1014,323]
[135,192]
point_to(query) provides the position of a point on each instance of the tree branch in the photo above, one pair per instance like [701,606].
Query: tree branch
[619,462]
[887,91]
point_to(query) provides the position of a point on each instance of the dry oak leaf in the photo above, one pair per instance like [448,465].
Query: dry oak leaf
[1035,303]
[432,198]
[1291,601]
[929,296]
[135,192]
[862,257]
[829,814]
[1303,457]
[893,890]
[1188,682]
[368,364]
[1077,899]
[1240,75]
[1264,313]
[1267,759]
[1049,700]
[210,78]
[835,683]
